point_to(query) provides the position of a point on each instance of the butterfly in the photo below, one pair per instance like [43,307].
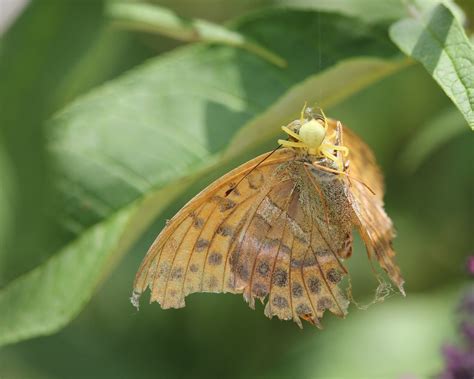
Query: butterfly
[278,228]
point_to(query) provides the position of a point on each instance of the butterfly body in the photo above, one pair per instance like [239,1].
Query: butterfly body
[275,229]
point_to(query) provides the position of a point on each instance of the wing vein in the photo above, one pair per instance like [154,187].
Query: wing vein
[264,238]
[325,280]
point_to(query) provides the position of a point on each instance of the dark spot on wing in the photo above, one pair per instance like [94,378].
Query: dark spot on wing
[233,189]
[224,230]
[193,268]
[164,269]
[284,249]
[260,290]
[201,244]
[280,302]
[334,276]
[297,290]
[324,303]
[303,309]
[280,277]
[177,273]
[214,258]
[295,263]
[198,221]
[263,268]
[310,261]
[314,285]
[224,203]
[323,253]
[242,271]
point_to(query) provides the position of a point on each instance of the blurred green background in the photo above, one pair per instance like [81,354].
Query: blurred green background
[57,51]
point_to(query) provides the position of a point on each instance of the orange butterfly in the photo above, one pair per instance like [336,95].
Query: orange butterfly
[278,227]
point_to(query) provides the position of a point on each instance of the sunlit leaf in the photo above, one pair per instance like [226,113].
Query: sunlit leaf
[438,41]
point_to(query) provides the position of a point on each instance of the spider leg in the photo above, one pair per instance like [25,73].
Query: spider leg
[343,149]
[339,142]
[335,159]
[325,120]
[302,112]
[291,133]
[286,143]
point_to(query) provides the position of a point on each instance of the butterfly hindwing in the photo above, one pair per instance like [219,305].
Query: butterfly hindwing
[375,227]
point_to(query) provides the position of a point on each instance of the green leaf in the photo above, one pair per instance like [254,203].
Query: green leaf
[437,40]
[367,10]
[130,147]
[7,191]
[45,299]
[370,11]
[36,81]
[155,19]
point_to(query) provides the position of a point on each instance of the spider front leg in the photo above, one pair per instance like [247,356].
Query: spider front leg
[302,112]
[286,143]
[326,126]
[291,133]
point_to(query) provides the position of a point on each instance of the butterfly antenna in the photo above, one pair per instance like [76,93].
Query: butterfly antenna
[229,191]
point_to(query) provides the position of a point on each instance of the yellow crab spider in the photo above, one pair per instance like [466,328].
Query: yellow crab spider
[313,138]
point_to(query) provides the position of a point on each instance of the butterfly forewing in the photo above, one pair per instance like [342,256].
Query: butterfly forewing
[192,253]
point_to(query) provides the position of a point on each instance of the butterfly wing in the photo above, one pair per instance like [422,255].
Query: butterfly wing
[192,252]
[260,240]
[375,227]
